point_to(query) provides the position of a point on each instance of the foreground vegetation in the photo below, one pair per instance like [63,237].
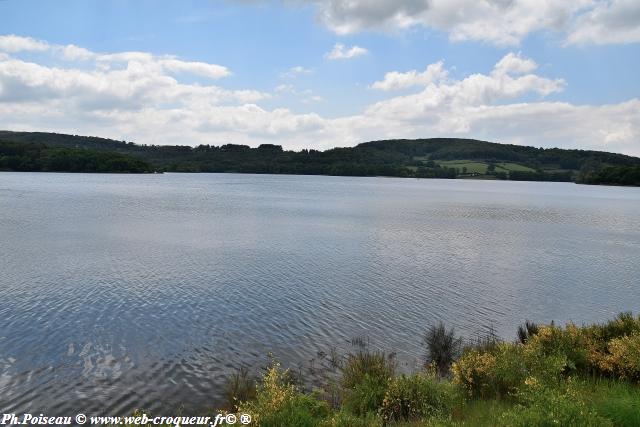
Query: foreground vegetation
[423,158]
[550,376]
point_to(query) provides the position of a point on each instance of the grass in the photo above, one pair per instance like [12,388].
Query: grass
[481,167]
[613,399]
[549,375]
[472,166]
[507,167]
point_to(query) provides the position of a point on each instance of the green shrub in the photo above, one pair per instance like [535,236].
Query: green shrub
[367,363]
[623,324]
[623,358]
[417,397]
[367,396]
[365,376]
[569,342]
[501,372]
[279,403]
[599,343]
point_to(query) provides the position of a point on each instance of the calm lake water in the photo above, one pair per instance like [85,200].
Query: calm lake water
[124,291]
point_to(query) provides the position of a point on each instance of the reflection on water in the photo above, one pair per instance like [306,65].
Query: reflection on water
[126,291]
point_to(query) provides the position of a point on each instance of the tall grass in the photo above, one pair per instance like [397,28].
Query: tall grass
[443,347]
[240,387]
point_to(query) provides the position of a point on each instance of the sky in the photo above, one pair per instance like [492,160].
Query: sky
[324,73]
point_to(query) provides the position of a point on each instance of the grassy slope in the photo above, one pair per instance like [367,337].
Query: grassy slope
[481,167]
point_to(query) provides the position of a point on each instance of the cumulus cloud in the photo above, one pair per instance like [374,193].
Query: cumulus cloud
[12,43]
[508,79]
[74,53]
[617,21]
[212,71]
[501,22]
[339,51]
[516,64]
[140,97]
[397,80]
[135,85]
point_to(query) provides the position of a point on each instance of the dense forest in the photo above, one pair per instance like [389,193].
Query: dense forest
[36,157]
[614,175]
[422,158]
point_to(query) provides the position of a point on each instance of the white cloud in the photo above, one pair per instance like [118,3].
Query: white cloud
[305,96]
[284,88]
[516,64]
[296,71]
[74,53]
[617,21]
[136,96]
[500,22]
[12,43]
[507,80]
[300,70]
[339,51]
[396,80]
[212,71]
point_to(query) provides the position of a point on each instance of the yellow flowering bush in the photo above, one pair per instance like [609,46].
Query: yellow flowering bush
[473,371]
[623,358]
[502,371]
[599,339]
[279,403]
[569,343]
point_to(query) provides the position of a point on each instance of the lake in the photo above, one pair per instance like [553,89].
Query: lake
[126,291]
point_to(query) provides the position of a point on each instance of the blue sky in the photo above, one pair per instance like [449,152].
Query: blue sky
[324,73]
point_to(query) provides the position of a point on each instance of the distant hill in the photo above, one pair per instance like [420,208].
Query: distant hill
[422,158]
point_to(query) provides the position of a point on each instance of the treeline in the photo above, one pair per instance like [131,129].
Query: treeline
[613,175]
[35,157]
[420,158]
[541,176]
[471,149]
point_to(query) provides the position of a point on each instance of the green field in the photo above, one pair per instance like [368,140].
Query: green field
[481,167]
[513,167]
[472,166]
